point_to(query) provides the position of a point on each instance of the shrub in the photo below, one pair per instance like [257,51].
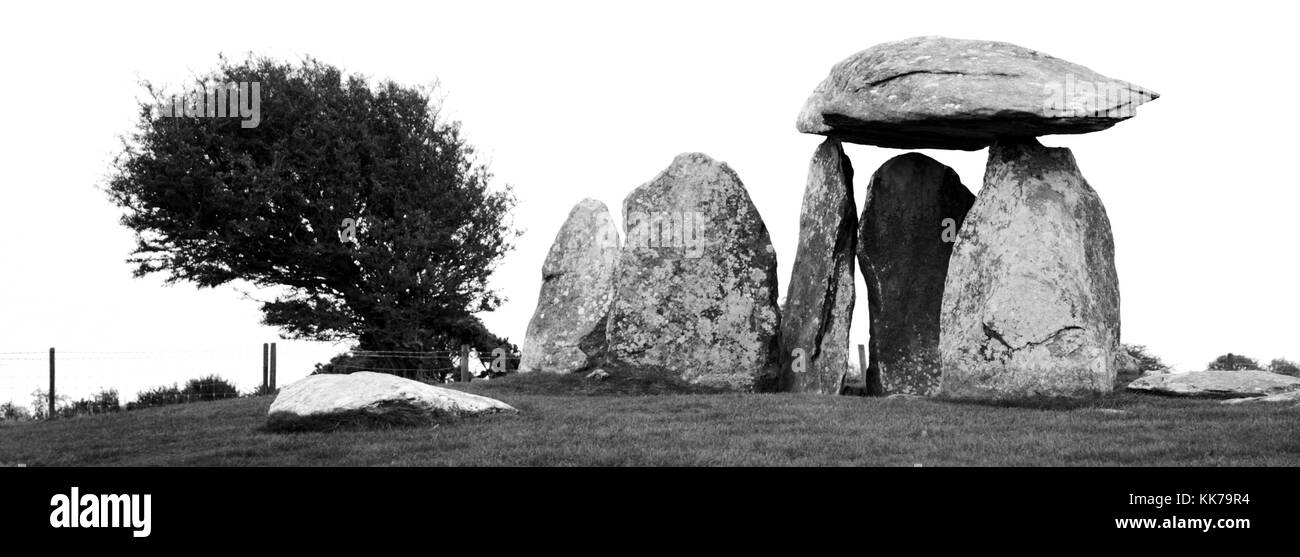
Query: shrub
[13,412]
[343,364]
[1284,366]
[207,388]
[436,367]
[263,390]
[211,387]
[1142,362]
[157,396]
[40,401]
[106,400]
[1146,361]
[1233,362]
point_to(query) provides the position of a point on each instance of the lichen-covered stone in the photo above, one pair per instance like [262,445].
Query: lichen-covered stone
[819,301]
[1031,304]
[567,331]
[913,210]
[942,93]
[1220,384]
[695,289]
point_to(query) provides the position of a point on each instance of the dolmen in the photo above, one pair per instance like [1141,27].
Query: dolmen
[1011,293]
[1008,293]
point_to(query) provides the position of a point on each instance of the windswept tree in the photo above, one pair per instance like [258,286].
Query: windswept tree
[357,204]
[1145,361]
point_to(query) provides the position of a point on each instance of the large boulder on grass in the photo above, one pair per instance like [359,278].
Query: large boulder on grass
[368,398]
[1218,384]
[695,288]
[942,93]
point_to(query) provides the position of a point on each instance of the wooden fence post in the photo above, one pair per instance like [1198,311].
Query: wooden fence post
[266,370]
[464,363]
[272,372]
[50,411]
[862,364]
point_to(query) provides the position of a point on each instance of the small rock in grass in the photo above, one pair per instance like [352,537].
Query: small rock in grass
[904,396]
[1110,411]
[598,375]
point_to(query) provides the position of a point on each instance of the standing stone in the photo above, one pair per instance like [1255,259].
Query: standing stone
[1031,305]
[695,290]
[819,303]
[913,210]
[567,331]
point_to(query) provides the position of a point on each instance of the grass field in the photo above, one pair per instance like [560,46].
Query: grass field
[571,421]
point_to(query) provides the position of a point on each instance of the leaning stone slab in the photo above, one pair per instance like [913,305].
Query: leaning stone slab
[819,302]
[1218,384]
[327,401]
[1031,303]
[942,93]
[914,208]
[695,289]
[567,331]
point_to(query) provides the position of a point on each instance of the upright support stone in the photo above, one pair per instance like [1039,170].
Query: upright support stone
[1031,305]
[819,303]
[913,209]
[567,331]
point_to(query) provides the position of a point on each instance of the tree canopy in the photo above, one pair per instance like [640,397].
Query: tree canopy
[1233,362]
[1284,366]
[357,203]
[1145,360]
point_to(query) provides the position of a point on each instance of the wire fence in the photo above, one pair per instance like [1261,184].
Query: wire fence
[435,366]
[54,383]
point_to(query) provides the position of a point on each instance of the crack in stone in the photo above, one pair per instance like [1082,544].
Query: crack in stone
[993,334]
[936,72]
[845,247]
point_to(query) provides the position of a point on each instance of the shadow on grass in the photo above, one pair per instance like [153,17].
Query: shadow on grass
[619,383]
[1042,402]
[390,415]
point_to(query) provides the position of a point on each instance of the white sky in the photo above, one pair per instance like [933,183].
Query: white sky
[574,100]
